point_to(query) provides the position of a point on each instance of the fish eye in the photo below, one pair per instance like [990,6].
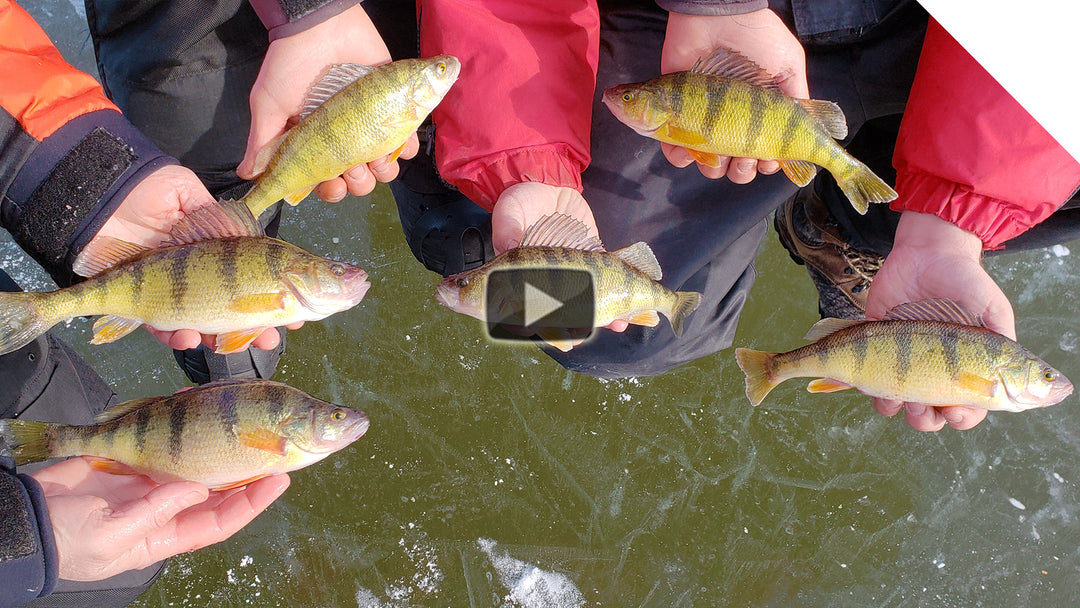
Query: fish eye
[1049,376]
[338,415]
[627,97]
[462,282]
[440,67]
[337,269]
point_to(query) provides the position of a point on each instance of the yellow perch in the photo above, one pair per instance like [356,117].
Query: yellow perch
[354,115]
[217,274]
[626,283]
[727,105]
[222,435]
[932,351]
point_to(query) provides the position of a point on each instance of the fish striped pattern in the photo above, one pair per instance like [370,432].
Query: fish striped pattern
[369,113]
[915,360]
[924,361]
[203,434]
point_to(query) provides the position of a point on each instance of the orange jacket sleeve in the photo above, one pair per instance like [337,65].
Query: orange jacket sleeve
[67,155]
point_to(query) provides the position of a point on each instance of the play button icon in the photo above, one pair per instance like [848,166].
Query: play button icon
[544,301]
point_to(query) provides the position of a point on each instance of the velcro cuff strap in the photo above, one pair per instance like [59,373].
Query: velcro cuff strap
[73,182]
[287,17]
[28,559]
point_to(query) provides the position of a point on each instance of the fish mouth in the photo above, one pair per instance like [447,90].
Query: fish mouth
[357,430]
[447,295]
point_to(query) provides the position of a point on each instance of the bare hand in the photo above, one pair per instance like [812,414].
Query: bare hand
[760,36]
[291,66]
[524,204]
[105,524]
[932,258]
[145,217]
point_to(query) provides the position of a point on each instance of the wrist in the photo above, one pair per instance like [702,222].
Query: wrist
[71,184]
[930,232]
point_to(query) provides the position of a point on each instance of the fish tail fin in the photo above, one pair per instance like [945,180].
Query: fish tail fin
[28,440]
[757,366]
[686,302]
[21,319]
[862,187]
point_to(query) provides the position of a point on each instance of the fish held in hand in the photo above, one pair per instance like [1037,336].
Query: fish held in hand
[727,105]
[931,351]
[217,274]
[223,435]
[626,283]
[352,116]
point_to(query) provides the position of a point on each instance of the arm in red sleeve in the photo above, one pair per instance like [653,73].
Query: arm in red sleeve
[968,153]
[522,106]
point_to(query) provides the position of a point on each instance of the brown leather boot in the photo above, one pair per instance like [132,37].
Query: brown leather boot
[841,274]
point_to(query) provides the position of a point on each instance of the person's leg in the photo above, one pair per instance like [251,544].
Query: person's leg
[869,73]
[181,72]
[47,381]
[705,233]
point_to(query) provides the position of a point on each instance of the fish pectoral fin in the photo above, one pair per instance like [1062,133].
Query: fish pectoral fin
[236,341]
[558,338]
[111,328]
[648,318]
[114,467]
[976,384]
[262,439]
[705,158]
[295,198]
[239,484]
[826,385]
[259,302]
[800,172]
[396,153]
[684,137]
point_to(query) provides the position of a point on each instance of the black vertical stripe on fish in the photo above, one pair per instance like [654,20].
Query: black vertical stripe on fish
[758,99]
[177,421]
[135,274]
[275,401]
[107,432]
[903,343]
[228,259]
[859,348]
[791,130]
[716,99]
[678,85]
[274,259]
[227,413]
[950,343]
[142,425]
[178,278]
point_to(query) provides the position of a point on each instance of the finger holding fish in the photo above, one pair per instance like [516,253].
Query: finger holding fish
[933,258]
[760,35]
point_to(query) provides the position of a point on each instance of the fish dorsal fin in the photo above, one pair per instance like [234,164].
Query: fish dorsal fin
[339,76]
[640,256]
[228,219]
[123,409]
[108,252]
[934,309]
[559,230]
[828,114]
[727,63]
[828,327]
